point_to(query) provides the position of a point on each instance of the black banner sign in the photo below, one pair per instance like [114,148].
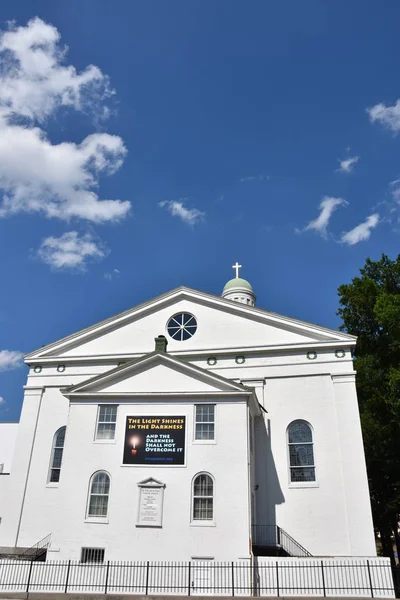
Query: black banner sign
[154,441]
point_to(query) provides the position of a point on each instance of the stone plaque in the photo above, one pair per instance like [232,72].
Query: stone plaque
[151,499]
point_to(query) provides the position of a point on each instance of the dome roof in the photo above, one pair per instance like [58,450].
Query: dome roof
[237,282]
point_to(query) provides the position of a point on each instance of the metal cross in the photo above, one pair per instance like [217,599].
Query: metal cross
[237,267]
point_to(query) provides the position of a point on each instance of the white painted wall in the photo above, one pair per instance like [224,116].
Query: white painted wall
[330,518]
[60,509]
[316,514]
[228,330]
[8,434]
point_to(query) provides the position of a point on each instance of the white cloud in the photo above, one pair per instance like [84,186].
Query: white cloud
[347,165]
[110,275]
[327,206]
[361,232]
[57,180]
[10,359]
[191,216]
[2,401]
[395,190]
[388,116]
[70,251]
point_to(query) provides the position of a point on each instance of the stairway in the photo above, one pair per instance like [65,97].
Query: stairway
[37,552]
[271,540]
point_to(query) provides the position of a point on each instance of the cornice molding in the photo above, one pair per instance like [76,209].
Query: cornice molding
[182,293]
[289,349]
[150,361]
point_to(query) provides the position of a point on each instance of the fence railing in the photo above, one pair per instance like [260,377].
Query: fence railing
[262,577]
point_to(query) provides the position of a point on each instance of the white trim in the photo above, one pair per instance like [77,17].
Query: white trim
[103,520]
[181,312]
[204,441]
[161,395]
[151,483]
[130,368]
[199,352]
[53,448]
[99,440]
[301,484]
[187,293]
[201,522]
[97,518]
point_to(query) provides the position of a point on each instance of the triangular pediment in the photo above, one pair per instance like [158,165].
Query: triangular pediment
[151,482]
[221,325]
[156,374]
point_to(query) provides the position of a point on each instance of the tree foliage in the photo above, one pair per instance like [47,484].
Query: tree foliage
[370,309]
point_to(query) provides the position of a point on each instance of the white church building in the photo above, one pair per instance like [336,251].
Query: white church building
[191,426]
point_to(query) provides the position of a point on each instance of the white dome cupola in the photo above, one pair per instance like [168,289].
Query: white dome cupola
[239,289]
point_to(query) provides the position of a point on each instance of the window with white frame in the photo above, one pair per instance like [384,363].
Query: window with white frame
[205,422]
[203,498]
[301,452]
[99,491]
[56,455]
[106,421]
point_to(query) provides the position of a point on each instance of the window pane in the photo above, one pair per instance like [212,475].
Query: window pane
[55,475]
[203,486]
[60,438]
[204,431]
[101,484]
[205,413]
[203,509]
[299,432]
[106,431]
[108,414]
[57,458]
[107,418]
[301,454]
[98,506]
[251,433]
[302,474]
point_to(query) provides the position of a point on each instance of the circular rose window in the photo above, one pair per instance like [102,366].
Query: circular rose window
[182,326]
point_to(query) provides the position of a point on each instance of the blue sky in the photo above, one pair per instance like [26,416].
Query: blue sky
[205,133]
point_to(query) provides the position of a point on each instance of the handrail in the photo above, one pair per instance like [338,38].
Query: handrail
[290,545]
[273,536]
[37,549]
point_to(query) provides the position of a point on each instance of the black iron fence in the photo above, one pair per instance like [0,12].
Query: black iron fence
[262,577]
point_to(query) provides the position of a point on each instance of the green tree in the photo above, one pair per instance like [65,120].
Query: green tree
[370,309]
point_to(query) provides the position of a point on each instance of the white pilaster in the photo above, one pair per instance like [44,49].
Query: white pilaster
[358,504]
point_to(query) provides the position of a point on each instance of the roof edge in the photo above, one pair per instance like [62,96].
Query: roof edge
[147,358]
[183,289]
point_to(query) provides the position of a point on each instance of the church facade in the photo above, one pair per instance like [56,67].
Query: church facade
[189,427]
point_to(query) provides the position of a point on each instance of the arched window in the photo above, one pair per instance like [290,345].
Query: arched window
[301,452]
[203,497]
[99,491]
[56,455]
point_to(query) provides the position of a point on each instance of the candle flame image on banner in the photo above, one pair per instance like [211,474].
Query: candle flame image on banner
[134,442]
[155,440]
